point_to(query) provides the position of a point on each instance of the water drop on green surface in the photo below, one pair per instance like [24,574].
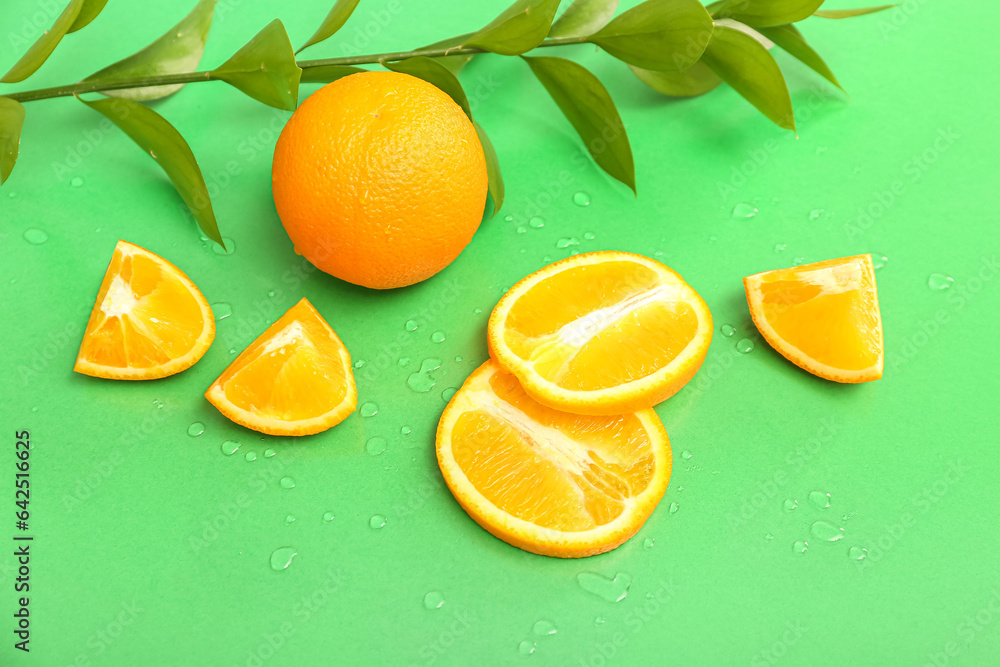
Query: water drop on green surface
[360,363]
[406,430]
[423,381]
[229,447]
[790,504]
[375,446]
[878,261]
[648,543]
[521,229]
[196,429]
[403,362]
[508,218]
[779,247]
[228,250]
[11,194]
[287,482]
[581,199]
[744,210]
[157,403]
[251,456]
[377,522]
[744,346]
[290,519]
[544,628]
[674,507]
[448,393]
[232,350]
[800,546]
[282,558]
[35,236]
[857,553]
[815,214]
[599,620]
[609,590]
[221,310]
[798,261]
[939,281]
[826,531]
[477,310]
[820,499]
[76,181]
[411,325]
[328,517]
[458,359]
[567,242]
[537,222]
[527,647]
[686,455]
[589,236]
[268,453]
[545,259]
[369,409]
[437,337]
[728,330]
[433,600]
[270,293]
[769,537]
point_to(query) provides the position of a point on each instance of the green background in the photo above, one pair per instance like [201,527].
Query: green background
[123,497]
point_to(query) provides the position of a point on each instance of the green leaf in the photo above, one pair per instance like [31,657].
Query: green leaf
[765,13]
[265,68]
[178,50]
[453,63]
[791,40]
[492,168]
[328,73]
[695,80]
[89,12]
[334,21]
[658,34]
[435,73]
[749,68]
[11,120]
[850,13]
[583,18]
[163,143]
[39,52]
[589,108]
[519,29]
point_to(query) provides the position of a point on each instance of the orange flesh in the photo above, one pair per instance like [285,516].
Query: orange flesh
[597,326]
[145,316]
[830,314]
[293,371]
[547,467]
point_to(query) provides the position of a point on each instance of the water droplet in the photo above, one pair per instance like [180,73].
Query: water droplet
[744,210]
[526,647]
[649,595]
[251,456]
[800,546]
[290,519]
[769,537]
[437,337]
[328,517]
[76,182]
[508,218]
[360,363]
[433,600]
[744,346]
[157,403]
[779,247]
[609,590]
[820,150]
[477,310]
[790,504]
[680,488]
[282,558]
[377,522]
[798,261]
[599,620]
[581,199]
[34,408]
[221,310]
[937,281]
[686,455]
[567,242]
[815,214]
[287,482]
[448,393]
[375,446]
[196,429]
[232,350]
[713,238]
[674,507]
[536,222]
[728,330]
[544,628]
[369,409]
[857,553]
[411,325]
[423,381]
[228,250]
[403,362]
[648,543]
[826,531]
[545,259]
[269,453]
[270,293]
[35,236]
[458,359]
[820,499]
[521,229]
[878,261]
[589,236]
[406,430]
[846,517]
[11,194]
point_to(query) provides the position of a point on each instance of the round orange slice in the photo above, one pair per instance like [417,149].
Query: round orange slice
[602,333]
[295,379]
[149,320]
[823,317]
[547,481]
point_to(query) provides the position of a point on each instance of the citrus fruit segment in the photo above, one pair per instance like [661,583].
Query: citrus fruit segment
[295,379]
[149,320]
[601,333]
[823,317]
[547,481]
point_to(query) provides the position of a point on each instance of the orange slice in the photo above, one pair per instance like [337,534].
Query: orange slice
[603,333]
[149,320]
[546,481]
[295,379]
[822,317]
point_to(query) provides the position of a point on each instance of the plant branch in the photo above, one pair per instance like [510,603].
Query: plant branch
[194,77]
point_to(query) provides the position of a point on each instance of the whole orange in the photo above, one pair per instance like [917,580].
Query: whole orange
[379,179]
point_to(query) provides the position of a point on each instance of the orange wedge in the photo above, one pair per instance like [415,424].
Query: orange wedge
[547,481]
[822,317]
[602,333]
[149,320]
[295,379]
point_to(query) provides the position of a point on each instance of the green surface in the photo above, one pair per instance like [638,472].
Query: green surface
[120,490]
